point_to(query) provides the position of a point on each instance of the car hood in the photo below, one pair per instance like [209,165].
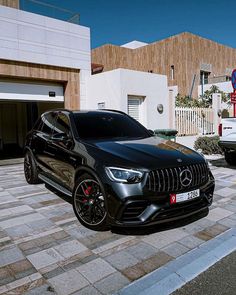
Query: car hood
[150,152]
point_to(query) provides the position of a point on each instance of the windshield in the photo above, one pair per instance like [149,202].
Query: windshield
[108,125]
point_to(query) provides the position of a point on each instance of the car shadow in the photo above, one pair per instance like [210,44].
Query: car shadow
[147,230]
[221,163]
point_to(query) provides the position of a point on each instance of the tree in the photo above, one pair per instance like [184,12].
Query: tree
[204,101]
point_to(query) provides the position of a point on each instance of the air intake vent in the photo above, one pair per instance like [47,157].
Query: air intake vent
[133,211]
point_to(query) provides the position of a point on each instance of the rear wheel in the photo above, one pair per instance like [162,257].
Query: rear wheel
[30,169]
[230,158]
[89,203]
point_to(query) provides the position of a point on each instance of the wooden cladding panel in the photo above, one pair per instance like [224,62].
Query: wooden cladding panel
[70,78]
[185,51]
[10,3]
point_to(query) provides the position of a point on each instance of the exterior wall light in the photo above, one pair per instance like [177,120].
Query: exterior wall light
[160,108]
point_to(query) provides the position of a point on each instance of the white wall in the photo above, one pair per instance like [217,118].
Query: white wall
[34,38]
[113,88]
[223,86]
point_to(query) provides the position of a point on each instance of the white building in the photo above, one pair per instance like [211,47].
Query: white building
[136,93]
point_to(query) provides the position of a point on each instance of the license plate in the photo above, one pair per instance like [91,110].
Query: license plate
[178,198]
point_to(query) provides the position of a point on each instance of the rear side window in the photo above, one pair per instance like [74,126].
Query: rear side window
[38,124]
[48,121]
[62,124]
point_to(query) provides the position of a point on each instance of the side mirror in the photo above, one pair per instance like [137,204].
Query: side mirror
[151,132]
[60,137]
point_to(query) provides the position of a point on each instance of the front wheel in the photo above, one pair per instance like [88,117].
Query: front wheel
[89,203]
[230,158]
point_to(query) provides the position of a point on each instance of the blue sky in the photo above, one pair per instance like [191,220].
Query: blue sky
[121,21]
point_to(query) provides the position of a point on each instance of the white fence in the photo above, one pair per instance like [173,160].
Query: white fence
[194,121]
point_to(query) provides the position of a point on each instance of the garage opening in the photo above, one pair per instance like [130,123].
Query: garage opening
[21,103]
[16,119]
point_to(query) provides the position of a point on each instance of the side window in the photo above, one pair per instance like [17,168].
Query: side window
[38,124]
[48,121]
[62,124]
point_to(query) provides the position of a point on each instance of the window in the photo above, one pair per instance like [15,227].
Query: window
[48,122]
[172,72]
[38,124]
[62,124]
[134,108]
[108,125]
[204,77]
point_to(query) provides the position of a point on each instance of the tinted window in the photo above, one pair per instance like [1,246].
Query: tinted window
[48,122]
[62,124]
[99,125]
[38,124]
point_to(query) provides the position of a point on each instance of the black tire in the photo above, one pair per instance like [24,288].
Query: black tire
[30,169]
[89,203]
[230,158]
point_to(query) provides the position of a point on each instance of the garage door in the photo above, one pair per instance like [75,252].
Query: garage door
[19,91]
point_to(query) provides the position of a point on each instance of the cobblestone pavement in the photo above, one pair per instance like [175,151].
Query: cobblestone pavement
[45,250]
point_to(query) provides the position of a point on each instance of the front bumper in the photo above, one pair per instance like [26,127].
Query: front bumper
[147,209]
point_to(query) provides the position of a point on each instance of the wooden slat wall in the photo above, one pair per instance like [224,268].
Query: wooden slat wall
[185,51]
[10,3]
[70,78]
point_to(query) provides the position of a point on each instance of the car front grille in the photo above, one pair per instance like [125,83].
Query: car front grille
[167,180]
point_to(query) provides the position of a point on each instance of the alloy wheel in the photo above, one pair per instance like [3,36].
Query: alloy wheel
[89,202]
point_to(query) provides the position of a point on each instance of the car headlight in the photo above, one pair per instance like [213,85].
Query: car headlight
[124,175]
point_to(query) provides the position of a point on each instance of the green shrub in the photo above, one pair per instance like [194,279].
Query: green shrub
[208,145]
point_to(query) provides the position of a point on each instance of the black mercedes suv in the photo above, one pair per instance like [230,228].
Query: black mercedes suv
[115,170]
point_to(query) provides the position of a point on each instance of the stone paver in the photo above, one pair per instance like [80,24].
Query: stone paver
[191,242]
[106,287]
[68,282]
[218,214]
[10,255]
[121,260]
[45,250]
[175,249]
[44,258]
[70,248]
[95,270]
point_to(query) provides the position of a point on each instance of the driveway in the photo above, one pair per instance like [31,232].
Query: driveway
[45,250]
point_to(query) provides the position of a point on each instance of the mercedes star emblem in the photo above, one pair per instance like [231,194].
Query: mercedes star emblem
[186,177]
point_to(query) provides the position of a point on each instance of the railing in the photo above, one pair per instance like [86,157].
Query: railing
[51,10]
[194,121]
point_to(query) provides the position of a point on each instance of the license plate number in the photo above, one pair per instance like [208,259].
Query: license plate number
[178,198]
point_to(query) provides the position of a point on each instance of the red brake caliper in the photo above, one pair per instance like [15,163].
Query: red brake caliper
[87,193]
[88,190]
